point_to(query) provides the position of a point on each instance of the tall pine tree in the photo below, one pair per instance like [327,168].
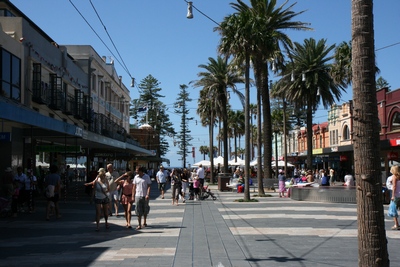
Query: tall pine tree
[183,136]
[149,109]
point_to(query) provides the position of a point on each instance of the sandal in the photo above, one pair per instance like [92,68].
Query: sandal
[395,228]
[138,227]
[145,225]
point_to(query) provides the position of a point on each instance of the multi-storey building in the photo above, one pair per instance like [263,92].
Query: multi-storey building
[60,100]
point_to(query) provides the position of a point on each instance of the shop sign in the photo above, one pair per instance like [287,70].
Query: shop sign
[392,155]
[343,158]
[334,149]
[394,142]
[317,151]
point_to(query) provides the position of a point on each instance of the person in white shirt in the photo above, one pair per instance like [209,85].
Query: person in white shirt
[200,175]
[112,175]
[141,195]
[161,178]
[348,179]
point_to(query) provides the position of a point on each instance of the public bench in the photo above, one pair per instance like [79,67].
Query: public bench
[331,194]
[271,184]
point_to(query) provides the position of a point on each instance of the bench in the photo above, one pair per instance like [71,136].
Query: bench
[232,183]
[271,183]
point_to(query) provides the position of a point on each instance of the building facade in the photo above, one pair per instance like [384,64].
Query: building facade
[62,101]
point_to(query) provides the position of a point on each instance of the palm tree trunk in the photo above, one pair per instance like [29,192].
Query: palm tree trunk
[372,242]
[247,128]
[211,148]
[309,132]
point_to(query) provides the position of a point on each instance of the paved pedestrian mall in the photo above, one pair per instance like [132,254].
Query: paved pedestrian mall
[272,232]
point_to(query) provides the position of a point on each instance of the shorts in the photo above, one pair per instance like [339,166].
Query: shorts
[115,195]
[142,206]
[201,182]
[102,201]
[161,186]
[54,199]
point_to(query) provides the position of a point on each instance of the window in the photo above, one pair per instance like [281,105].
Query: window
[10,75]
[6,13]
[396,121]
[346,133]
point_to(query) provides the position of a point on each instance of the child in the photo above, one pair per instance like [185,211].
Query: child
[196,189]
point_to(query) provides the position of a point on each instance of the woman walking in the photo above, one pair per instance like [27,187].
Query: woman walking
[125,181]
[101,190]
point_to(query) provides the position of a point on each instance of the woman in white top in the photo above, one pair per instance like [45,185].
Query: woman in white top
[101,197]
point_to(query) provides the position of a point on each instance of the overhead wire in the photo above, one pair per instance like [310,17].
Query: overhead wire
[98,36]
[116,49]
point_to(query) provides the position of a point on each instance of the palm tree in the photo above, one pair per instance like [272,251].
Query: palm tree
[204,150]
[218,77]
[307,80]
[261,35]
[253,114]
[372,242]
[236,126]
[207,114]
[235,38]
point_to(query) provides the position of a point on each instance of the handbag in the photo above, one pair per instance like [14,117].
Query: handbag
[392,210]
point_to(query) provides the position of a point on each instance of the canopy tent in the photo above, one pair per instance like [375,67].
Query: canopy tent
[253,163]
[281,163]
[42,164]
[237,162]
[203,162]
[219,160]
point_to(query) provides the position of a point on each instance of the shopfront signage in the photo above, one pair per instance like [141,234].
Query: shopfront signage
[59,149]
[394,142]
[334,149]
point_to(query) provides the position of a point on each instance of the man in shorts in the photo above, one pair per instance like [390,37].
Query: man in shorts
[141,195]
[112,175]
[201,176]
[161,177]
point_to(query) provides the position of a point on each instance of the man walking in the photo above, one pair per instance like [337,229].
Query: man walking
[112,175]
[161,177]
[141,195]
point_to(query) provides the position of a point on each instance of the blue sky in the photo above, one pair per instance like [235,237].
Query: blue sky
[155,37]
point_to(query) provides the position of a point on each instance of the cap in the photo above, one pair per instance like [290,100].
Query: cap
[8,169]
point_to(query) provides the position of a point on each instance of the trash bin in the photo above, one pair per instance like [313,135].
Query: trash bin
[223,179]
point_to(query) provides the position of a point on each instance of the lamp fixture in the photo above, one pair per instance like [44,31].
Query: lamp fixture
[292,77]
[318,91]
[303,77]
[133,82]
[189,10]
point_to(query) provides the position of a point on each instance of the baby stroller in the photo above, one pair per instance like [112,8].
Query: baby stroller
[207,193]
[5,207]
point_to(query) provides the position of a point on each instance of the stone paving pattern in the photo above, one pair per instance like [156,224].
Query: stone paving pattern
[272,232]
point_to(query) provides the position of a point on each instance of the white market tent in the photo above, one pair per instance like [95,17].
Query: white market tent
[237,162]
[42,164]
[203,162]
[281,163]
[79,166]
[219,160]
